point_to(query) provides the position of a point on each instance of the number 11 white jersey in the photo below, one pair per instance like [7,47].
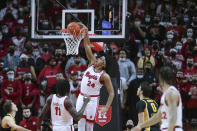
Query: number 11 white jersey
[59,115]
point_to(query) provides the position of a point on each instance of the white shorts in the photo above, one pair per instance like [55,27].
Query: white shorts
[63,128]
[91,108]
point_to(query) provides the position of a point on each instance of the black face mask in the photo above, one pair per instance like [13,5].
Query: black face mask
[148,70]
[1,68]
[195,52]
[11,51]
[190,65]
[179,78]
[129,126]
[155,47]
[23,63]
[45,49]
[77,62]
[173,54]
[27,79]
[58,55]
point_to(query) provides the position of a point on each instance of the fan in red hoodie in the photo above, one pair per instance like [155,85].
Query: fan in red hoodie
[11,88]
[190,69]
[29,97]
[29,122]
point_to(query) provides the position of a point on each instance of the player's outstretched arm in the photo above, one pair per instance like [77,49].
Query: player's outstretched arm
[12,124]
[172,99]
[71,109]
[88,50]
[107,81]
[45,109]
[152,121]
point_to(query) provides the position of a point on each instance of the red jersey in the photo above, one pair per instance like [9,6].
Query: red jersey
[14,90]
[50,73]
[45,57]
[30,124]
[189,72]
[192,90]
[28,93]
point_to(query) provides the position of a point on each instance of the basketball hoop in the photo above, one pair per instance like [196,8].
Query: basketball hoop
[72,38]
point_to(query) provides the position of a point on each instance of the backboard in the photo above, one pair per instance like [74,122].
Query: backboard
[105,19]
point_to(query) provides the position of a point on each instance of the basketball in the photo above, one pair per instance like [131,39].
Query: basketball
[74,28]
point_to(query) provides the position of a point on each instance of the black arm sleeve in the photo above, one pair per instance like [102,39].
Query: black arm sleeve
[140,106]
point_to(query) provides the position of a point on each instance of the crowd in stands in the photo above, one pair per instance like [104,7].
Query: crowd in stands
[160,32]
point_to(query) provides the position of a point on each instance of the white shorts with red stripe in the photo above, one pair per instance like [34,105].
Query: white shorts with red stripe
[91,108]
[176,128]
[63,128]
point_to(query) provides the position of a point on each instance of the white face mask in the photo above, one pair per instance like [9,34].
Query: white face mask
[11,77]
[5,30]
[20,9]
[137,22]
[20,21]
[122,59]
[140,76]
[26,29]
[139,2]
[170,36]
[147,19]
[36,53]
[179,47]
[189,34]
[44,83]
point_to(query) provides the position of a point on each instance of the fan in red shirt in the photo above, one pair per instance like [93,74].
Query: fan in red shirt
[45,55]
[187,49]
[139,10]
[29,97]
[11,88]
[49,72]
[77,67]
[29,122]
[177,29]
[190,69]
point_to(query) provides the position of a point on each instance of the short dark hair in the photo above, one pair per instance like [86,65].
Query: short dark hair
[167,74]
[62,87]
[7,106]
[146,88]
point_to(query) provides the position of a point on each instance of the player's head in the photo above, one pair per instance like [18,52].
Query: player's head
[166,76]
[101,61]
[26,113]
[63,87]
[144,89]
[9,107]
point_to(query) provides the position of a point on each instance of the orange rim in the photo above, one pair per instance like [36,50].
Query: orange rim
[70,30]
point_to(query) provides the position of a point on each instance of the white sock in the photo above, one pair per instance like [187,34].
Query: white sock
[89,126]
[82,124]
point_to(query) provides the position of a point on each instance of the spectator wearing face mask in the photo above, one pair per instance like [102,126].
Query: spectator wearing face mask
[71,61]
[188,34]
[49,72]
[186,21]
[7,35]
[146,58]
[156,31]
[129,125]
[126,67]
[132,97]
[172,59]
[11,61]
[29,97]
[187,48]
[45,55]
[164,9]
[23,67]
[78,67]
[20,24]
[179,56]
[11,88]
[3,46]
[18,39]
[176,28]
[191,89]
[29,122]
[190,69]
[60,57]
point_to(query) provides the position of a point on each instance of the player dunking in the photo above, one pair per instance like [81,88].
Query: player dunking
[93,79]
[62,109]
[170,111]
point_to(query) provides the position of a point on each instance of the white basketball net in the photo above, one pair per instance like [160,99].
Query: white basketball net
[72,44]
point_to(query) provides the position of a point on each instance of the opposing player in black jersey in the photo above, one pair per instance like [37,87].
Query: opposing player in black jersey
[146,107]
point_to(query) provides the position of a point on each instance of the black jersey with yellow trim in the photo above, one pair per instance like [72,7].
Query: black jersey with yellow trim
[150,108]
[7,129]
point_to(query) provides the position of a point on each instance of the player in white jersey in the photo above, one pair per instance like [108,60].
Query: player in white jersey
[92,81]
[170,110]
[62,110]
